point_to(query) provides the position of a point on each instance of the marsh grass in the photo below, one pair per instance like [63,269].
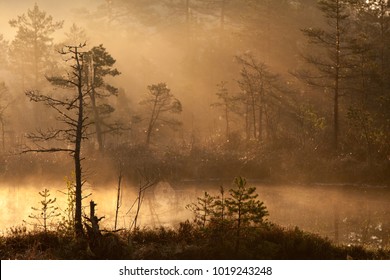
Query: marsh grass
[187,241]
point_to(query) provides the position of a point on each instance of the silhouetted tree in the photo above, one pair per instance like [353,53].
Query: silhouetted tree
[70,107]
[263,94]
[98,66]
[244,207]
[160,101]
[332,60]
[228,105]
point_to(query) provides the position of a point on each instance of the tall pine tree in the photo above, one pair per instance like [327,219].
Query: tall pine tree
[331,61]
[32,47]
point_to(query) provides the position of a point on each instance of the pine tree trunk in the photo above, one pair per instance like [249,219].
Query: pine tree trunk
[99,134]
[77,151]
[337,81]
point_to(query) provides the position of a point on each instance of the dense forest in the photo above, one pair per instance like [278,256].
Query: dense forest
[289,91]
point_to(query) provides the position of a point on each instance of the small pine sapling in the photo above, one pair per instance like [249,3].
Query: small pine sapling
[244,208]
[47,212]
[236,214]
[243,205]
[203,209]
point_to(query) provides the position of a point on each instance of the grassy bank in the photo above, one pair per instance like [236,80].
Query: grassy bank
[188,241]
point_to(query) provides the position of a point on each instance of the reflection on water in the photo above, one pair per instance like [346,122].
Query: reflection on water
[345,214]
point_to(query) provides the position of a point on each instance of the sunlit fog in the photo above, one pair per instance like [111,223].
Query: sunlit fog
[120,117]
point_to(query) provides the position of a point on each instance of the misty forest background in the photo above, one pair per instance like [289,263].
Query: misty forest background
[279,90]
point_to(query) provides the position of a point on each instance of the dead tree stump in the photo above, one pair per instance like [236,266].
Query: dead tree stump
[103,246]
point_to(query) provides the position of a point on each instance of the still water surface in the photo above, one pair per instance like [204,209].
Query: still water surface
[344,214]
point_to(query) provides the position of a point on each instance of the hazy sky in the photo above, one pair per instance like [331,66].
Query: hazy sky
[60,10]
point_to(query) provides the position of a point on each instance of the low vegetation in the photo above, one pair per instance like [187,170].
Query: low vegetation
[188,241]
